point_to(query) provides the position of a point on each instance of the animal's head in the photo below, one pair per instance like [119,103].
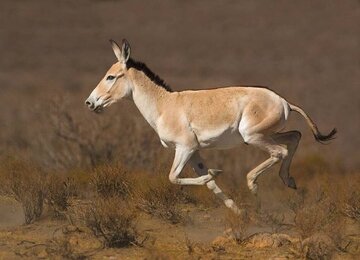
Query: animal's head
[115,85]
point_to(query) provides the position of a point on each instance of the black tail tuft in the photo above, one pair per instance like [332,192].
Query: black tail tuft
[323,138]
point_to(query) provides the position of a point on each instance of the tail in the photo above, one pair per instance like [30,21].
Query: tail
[318,136]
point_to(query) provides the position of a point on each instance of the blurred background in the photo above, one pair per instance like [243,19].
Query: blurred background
[53,54]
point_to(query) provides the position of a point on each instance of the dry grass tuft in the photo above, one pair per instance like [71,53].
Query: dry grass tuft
[319,214]
[155,195]
[351,205]
[59,191]
[275,220]
[319,222]
[26,183]
[64,248]
[111,221]
[109,181]
[318,246]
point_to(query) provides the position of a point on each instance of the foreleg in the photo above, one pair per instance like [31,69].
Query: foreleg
[198,165]
[182,156]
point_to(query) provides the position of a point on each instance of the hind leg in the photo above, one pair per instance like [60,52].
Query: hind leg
[291,139]
[277,153]
[257,128]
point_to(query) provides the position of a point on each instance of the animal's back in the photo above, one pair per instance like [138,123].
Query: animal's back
[224,105]
[215,114]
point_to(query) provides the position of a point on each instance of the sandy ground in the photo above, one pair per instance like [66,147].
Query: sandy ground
[202,236]
[306,51]
[45,239]
[11,213]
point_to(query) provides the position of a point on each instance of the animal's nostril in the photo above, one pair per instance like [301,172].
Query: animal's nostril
[89,103]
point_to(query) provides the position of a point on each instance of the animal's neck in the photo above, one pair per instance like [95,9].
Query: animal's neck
[147,96]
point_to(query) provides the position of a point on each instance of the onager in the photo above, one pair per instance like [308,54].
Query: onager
[189,121]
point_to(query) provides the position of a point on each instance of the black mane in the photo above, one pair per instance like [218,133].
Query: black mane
[151,75]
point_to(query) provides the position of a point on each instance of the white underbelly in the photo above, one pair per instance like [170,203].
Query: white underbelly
[222,138]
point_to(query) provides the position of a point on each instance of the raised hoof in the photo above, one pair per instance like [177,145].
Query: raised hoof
[291,183]
[214,172]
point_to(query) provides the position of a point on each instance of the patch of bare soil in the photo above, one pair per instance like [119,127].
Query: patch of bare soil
[11,213]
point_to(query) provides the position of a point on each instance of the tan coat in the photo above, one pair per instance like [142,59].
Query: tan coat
[189,121]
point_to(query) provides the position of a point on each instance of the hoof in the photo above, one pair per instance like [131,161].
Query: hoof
[214,172]
[239,212]
[291,183]
[253,188]
[229,203]
[206,179]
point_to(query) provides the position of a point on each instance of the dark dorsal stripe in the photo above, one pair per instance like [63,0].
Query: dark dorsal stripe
[151,75]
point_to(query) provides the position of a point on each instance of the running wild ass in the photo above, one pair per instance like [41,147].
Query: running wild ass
[189,121]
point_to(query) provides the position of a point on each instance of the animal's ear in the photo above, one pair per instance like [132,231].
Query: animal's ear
[122,54]
[116,49]
[125,50]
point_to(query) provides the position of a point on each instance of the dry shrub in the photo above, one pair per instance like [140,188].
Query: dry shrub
[75,139]
[296,201]
[351,205]
[275,220]
[112,221]
[71,138]
[111,181]
[157,196]
[26,183]
[237,226]
[64,248]
[72,242]
[318,246]
[318,222]
[60,189]
[320,214]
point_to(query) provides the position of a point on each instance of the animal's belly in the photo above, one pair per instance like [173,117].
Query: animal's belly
[219,138]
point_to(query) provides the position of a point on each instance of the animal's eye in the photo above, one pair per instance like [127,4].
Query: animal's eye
[110,77]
